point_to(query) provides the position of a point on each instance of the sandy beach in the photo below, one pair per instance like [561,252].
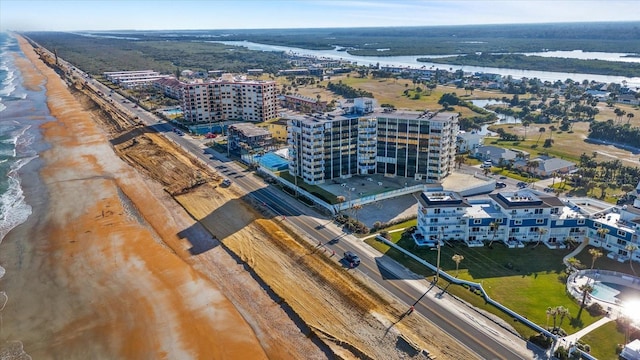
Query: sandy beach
[99,270]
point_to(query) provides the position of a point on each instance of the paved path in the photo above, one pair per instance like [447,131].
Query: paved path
[573,338]
[576,251]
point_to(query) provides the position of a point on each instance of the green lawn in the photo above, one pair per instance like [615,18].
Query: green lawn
[607,337]
[525,280]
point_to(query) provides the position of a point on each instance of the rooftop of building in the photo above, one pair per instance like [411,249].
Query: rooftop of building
[444,198]
[340,115]
[249,129]
[520,199]
[483,210]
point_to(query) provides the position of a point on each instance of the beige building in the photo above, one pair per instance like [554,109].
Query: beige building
[229,99]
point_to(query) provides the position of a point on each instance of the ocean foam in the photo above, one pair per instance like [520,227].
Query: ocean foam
[13,208]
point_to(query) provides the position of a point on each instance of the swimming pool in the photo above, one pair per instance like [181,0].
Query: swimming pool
[173,112]
[604,292]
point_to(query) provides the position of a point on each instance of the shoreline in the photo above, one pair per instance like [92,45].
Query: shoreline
[80,270]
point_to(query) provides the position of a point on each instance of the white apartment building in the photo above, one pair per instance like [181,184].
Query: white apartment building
[528,216]
[222,100]
[131,79]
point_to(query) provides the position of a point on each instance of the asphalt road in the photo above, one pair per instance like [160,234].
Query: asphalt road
[319,229]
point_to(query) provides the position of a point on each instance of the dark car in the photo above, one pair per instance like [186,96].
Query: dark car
[500,184]
[352,258]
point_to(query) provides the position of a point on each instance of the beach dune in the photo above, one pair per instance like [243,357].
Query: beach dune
[89,275]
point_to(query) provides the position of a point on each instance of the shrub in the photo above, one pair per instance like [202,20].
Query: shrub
[541,340]
[596,309]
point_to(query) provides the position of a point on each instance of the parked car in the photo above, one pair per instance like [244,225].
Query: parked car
[210,136]
[500,184]
[226,182]
[352,258]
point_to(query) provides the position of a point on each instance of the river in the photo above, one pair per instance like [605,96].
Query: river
[411,61]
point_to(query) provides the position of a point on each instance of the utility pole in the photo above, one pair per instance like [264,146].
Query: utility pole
[438,261]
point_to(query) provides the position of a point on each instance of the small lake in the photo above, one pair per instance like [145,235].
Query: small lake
[412,62]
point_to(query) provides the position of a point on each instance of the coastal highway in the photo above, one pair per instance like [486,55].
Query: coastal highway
[318,229]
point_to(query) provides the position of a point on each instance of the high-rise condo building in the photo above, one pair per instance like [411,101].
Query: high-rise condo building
[229,99]
[417,145]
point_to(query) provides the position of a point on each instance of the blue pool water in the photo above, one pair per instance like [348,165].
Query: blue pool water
[605,292]
[173,112]
[272,162]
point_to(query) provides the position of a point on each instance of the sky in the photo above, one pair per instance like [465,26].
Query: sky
[77,15]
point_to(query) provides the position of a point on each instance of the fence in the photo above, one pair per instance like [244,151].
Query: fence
[474,285]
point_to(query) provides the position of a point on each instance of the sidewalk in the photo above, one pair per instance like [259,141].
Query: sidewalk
[569,340]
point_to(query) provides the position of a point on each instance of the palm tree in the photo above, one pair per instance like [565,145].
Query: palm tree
[631,248]
[595,254]
[570,240]
[541,233]
[586,289]
[457,258]
[563,312]
[602,233]
[355,208]
[550,312]
[554,314]
[525,124]
[494,225]
[629,117]
[574,263]
[532,164]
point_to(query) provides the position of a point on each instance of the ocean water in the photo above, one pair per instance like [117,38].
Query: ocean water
[21,113]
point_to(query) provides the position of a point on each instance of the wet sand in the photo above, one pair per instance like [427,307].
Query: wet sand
[89,275]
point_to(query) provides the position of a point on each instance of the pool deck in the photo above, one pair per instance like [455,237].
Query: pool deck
[614,309]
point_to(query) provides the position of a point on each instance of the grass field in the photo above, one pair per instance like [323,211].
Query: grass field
[525,280]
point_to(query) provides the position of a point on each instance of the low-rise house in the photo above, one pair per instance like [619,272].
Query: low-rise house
[497,155]
[278,129]
[629,99]
[469,141]
[304,104]
[545,166]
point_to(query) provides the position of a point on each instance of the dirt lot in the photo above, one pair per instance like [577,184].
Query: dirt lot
[309,284]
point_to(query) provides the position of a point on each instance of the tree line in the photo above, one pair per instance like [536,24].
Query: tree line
[540,63]
[609,131]
[347,91]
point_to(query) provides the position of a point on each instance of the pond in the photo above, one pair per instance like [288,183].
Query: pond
[502,119]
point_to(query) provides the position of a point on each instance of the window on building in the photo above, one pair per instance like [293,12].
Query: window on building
[622,233]
[477,221]
[539,221]
[580,221]
[517,222]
